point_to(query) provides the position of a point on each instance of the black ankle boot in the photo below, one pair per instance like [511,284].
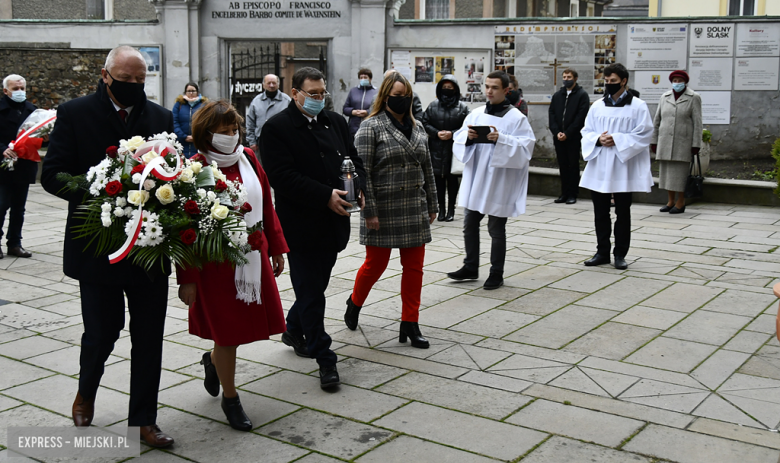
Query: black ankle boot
[450,215]
[211,383]
[441,213]
[235,414]
[412,330]
[352,313]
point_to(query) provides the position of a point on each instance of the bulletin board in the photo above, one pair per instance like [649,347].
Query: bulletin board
[425,67]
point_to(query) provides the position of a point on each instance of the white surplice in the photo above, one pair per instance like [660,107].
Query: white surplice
[624,167]
[495,177]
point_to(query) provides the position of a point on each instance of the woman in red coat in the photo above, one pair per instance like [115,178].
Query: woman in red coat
[234,305]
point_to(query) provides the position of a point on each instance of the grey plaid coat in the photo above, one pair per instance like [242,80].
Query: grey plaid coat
[401,188]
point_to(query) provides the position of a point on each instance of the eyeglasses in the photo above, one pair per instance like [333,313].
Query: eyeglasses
[191,91]
[316,96]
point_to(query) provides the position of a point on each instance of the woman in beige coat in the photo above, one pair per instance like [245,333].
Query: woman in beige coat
[677,137]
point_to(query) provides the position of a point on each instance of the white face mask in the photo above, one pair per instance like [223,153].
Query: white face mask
[224,143]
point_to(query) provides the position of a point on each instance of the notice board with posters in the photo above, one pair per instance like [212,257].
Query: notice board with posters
[425,67]
[153,86]
[538,54]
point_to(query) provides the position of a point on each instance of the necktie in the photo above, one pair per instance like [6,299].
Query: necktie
[123,115]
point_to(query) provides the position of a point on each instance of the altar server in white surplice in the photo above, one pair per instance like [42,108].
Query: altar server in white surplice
[495,175]
[615,142]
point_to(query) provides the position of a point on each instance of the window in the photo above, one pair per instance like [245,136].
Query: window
[436,9]
[574,8]
[742,7]
[96,9]
[591,10]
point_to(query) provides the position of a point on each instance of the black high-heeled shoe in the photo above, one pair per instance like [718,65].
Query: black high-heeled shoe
[677,210]
[211,383]
[412,331]
[234,412]
[666,208]
[450,215]
[352,314]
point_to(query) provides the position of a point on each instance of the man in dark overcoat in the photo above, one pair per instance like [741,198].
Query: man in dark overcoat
[303,148]
[85,128]
[14,184]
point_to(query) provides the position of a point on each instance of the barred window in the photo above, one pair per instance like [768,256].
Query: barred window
[437,9]
[742,7]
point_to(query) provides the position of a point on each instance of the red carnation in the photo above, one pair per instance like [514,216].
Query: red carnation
[114,188]
[220,186]
[137,169]
[188,236]
[245,208]
[111,152]
[256,240]
[191,207]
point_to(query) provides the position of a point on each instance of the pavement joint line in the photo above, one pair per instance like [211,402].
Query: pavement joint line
[532,449]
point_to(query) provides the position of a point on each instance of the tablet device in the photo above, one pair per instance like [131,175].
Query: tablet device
[482,132]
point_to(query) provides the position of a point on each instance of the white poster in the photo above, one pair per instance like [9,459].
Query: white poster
[756,73]
[710,73]
[651,85]
[762,39]
[657,46]
[715,107]
[402,57]
[713,39]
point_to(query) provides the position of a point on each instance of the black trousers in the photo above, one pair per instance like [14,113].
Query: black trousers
[310,274]
[497,231]
[568,154]
[13,196]
[447,185]
[103,312]
[604,222]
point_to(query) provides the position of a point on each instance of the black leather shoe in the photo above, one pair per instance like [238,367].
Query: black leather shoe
[412,331]
[211,383]
[352,313]
[561,199]
[464,274]
[597,259]
[674,210]
[19,251]
[620,263]
[450,215]
[571,201]
[494,281]
[666,208]
[235,414]
[297,343]
[329,377]
[441,215]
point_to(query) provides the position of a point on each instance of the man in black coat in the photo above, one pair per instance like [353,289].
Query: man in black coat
[568,110]
[85,128]
[14,184]
[303,148]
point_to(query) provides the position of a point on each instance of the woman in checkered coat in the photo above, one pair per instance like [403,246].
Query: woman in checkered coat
[400,201]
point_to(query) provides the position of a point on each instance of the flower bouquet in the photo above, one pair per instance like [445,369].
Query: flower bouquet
[30,137]
[146,201]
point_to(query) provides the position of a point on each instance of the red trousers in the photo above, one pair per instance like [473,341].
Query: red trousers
[411,278]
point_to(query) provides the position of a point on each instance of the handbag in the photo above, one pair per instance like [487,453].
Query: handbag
[456,166]
[694,186]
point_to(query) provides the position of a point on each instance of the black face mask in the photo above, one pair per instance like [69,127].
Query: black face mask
[126,93]
[448,92]
[568,83]
[270,94]
[399,104]
[513,96]
[611,89]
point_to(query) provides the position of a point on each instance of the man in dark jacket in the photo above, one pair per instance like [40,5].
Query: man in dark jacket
[14,184]
[303,148]
[568,110]
[441,119]
[85,128]
[359,100]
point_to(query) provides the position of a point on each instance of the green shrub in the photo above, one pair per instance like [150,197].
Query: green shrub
[706,136]
[776,156]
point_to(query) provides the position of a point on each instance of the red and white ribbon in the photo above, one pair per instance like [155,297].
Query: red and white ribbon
[154,167]
[24,136]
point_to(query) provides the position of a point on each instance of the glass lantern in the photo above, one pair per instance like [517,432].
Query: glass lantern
[348,177]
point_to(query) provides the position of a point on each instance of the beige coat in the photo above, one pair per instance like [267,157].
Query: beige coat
[677,126]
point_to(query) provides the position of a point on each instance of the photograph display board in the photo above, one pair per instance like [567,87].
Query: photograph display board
[713,39]
[710,73]
[657,46]
[715,107]
[758,39]
[153,82]
[756,73]
[537,55]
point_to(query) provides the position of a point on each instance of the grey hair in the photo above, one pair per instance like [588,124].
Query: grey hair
[13,78]
[120,50]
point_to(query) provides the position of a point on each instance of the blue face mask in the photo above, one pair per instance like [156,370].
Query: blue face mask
[678,87]
[312,106]
[18,95]
[365,82]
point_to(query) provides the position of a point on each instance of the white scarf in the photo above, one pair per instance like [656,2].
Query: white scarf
[247,278]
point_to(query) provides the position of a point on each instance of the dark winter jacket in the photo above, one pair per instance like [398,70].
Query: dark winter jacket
[568,112]
[12,116]
[182,120]
[358,98]
[440,117]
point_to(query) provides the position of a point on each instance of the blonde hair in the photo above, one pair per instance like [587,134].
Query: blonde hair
[384,91]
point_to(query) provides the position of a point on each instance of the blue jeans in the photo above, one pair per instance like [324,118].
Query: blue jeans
[497,231]
[13,196]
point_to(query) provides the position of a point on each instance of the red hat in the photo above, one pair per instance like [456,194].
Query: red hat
[682,74]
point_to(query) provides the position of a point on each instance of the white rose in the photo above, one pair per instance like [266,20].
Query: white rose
[106,221]
[165,194]
[219,175]
[149,184]
[186,175]
[149,156]
[133,143]
[137,198]
[212,196]
[201,193]
[219,212]
[196,167]
[119,212]
[136,178]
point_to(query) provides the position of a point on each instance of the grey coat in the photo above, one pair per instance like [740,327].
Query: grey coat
[401,190]
[260,110]
[677,126]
